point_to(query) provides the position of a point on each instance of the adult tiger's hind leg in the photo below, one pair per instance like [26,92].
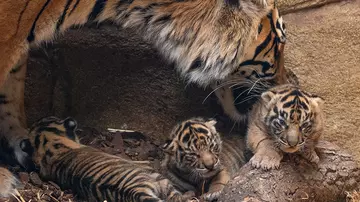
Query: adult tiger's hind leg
[12,115]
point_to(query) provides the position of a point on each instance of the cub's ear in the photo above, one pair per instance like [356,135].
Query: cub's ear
[169,147]
[267,96]
[210,122]
[70,124]
[318,101]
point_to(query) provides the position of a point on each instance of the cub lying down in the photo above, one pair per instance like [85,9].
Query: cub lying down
[90,173]
[198,160]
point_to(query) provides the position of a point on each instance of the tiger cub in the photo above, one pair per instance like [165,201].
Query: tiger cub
[8,183]
[91,173]
[286,119]
[197,159]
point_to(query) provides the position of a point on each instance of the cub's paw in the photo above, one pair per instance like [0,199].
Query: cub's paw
[266,161]
[190,196]
[311,156]
[315,159]
[211,196]
[193,199]
[22,156]
[11,150]
[24,152]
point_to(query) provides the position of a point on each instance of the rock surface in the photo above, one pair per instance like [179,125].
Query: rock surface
[290,6]
[297,180]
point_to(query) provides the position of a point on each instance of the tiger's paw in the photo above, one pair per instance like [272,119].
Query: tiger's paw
[193,199]
[13,154]
[14,146]
[190,196]
[25,158]
[22,157]
[266,160]
[211,196]
[315,159]
[311,156]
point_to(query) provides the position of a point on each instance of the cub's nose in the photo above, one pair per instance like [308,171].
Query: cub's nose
[293,137]
[208,159]
[293,142]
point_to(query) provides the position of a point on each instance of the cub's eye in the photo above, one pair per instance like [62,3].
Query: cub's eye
[282,122]
[306,127]
[277,125]
[216,148]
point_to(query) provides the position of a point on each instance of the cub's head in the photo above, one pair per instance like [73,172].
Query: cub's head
[50,137]
[194,147]
[291,116]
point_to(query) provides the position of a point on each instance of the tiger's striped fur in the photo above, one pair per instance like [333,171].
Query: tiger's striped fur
[286,119]
[197,157]
[91,173]
[206,39]
[263,67]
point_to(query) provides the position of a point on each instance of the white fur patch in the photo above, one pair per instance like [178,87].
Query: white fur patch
[8,183]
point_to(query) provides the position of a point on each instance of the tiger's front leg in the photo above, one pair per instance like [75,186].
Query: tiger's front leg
[309,153]
[12,115]
[217,185]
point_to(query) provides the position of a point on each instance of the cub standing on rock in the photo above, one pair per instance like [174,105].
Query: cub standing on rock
[196,159]
[285,119]
[91,173]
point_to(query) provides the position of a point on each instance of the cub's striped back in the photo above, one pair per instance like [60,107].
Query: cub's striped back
[195,154]
[91,173]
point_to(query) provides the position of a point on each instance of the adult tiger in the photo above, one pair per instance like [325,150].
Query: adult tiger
[262,68]
[207,40]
